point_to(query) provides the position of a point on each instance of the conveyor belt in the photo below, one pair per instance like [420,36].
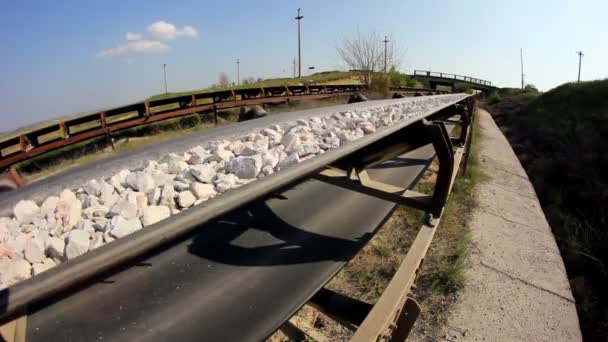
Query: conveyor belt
[236,279]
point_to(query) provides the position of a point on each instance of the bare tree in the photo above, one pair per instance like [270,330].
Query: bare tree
[365,54]
[224,80]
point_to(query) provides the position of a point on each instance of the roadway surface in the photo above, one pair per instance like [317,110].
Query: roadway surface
[237,278]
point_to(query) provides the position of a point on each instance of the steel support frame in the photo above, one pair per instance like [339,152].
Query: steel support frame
[352,174]
[394,315]
[405,139]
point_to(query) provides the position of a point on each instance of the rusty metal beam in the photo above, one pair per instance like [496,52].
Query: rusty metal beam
[147,118]
[384,319]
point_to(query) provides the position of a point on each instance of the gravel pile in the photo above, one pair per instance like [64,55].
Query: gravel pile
[41,235]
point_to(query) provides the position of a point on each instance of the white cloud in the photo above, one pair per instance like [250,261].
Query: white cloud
[163,30]
[150,42]
[139,46]
[133,36]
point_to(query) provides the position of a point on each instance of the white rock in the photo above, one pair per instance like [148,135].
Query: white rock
[315,119]
[307,148]
[272,134]
[118,181]
[245,167]
[123,227]
[140,181]
[47,209]
[290,141]
[153,214]
[96,241]
[161,178]
[203,191]
[26,211]
[20,270]
[151,165]
[67,195]
[224,182]
[88,201]
[123,208]
[185,199]
[107,194]
[346,136]
[32,252]
[267,170]
[221,153]
[302,122]
[277,128]
[45,265]
[176,166]
[55,247]
[154,196]
[92,188]
[270,158]
[77,244]
[10,226]
[95,212]
[203,173]
[237,147]
[141,201]
[292,159]
[86,225]
[201,152]
[100,224]
[253,149]
[181,186]
[367,127]
[68,212]
[107,236]
[185,176]
[171,157]
[167,196]
[196,159]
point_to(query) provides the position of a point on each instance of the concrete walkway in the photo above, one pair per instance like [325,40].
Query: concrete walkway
[517,288]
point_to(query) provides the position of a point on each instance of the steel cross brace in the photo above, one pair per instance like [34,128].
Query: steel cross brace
[352,174]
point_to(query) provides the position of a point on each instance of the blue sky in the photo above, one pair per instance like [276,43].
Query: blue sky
[65,57]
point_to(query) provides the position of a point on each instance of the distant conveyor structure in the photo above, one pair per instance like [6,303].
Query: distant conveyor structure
[237,267]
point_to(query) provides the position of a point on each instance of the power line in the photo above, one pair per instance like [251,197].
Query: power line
[385,50]
[298,18]
[580,57]
[521,56]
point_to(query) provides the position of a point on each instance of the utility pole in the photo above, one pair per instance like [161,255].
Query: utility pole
[385,49]
[238,76]
[298,18]
[165,76]
[294,67]
[521,57]
[580,57]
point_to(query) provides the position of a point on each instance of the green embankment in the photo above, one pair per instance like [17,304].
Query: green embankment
[561,138]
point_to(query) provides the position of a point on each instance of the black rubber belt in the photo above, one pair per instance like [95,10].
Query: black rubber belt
[235,279]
